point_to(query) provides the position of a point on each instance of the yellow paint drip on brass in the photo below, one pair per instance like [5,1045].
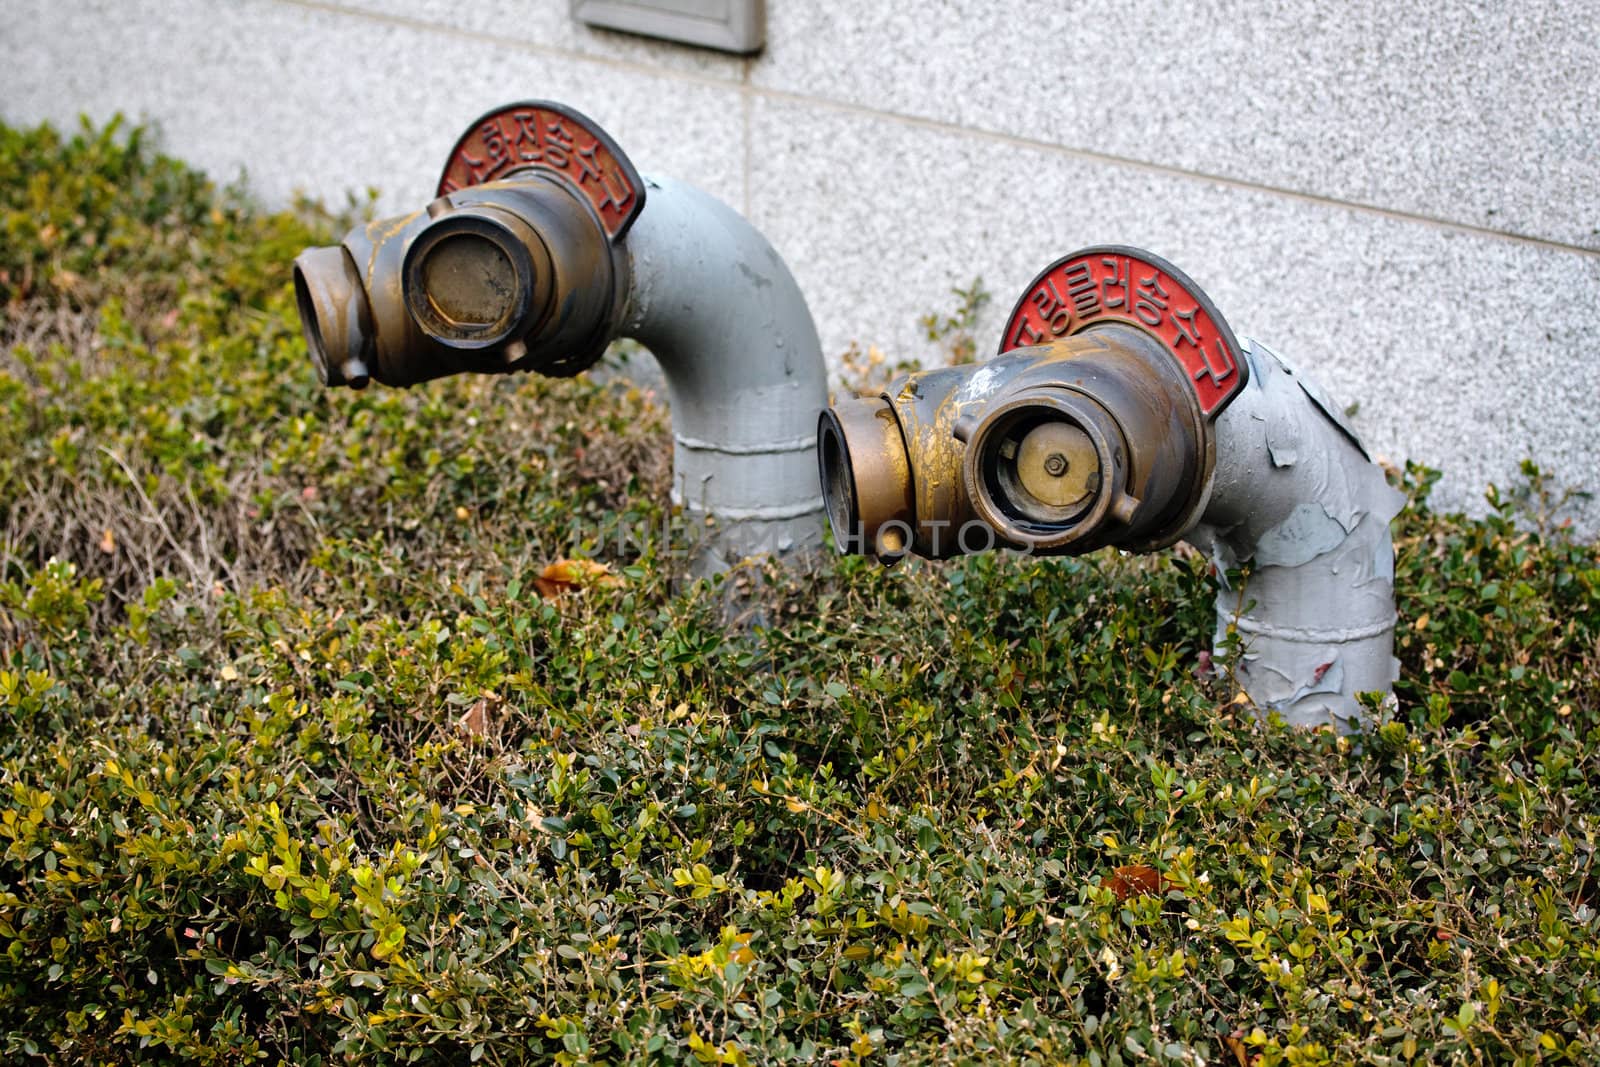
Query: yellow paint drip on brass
[386,229]
[894,448]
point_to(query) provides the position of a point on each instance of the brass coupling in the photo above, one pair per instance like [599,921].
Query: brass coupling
[1053,449]
[517,264]
[1099,437]
[512,275]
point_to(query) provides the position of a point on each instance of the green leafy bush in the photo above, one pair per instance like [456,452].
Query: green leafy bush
[298,766]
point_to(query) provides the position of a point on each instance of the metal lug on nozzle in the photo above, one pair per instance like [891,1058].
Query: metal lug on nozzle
[355,373]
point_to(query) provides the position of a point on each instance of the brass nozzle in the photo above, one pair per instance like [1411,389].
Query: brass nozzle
[477,278]
[1046,466]
[511,275]
[869,507]
[1066,447]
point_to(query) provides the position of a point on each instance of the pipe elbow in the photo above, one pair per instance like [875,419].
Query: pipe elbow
[1295,497]
[715,304]
[1111,424]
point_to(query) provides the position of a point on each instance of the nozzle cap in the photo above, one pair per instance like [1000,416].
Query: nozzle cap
[1057,465]
[477,278]
[1046,468]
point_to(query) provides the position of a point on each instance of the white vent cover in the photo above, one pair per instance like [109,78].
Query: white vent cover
[727,25]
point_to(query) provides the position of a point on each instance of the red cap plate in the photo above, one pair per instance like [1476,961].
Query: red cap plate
[550,137]
[1114,283]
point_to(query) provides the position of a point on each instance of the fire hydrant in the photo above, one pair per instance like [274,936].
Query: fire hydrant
[1122,411]
[541,246]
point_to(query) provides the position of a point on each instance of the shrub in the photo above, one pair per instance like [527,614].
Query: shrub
[299,766]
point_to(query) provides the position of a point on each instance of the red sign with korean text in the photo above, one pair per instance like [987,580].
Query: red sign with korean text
[1117,284]
[540,135]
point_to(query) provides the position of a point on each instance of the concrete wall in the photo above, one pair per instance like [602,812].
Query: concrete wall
[1404,201]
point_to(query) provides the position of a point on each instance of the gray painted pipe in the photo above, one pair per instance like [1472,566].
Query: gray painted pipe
[1295,495]
[713,302]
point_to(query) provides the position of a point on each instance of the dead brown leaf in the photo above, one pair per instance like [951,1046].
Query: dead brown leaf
[1135,880]
[566,575]
[475,721]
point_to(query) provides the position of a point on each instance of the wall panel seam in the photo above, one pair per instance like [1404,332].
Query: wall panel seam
[748,92]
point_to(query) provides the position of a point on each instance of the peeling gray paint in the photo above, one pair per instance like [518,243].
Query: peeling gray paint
[1294,493]
[1308,532]
[743,367]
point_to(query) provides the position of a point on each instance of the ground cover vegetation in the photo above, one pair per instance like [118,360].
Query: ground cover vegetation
[307,756]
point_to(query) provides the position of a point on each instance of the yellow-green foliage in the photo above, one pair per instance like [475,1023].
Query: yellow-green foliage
[296,765]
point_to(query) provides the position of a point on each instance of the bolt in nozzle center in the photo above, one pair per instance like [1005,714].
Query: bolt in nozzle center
[1055,463]
[1044,467]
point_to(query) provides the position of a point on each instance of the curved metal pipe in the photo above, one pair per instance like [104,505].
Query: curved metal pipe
[1295,496]
[712,300]
[542,247]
